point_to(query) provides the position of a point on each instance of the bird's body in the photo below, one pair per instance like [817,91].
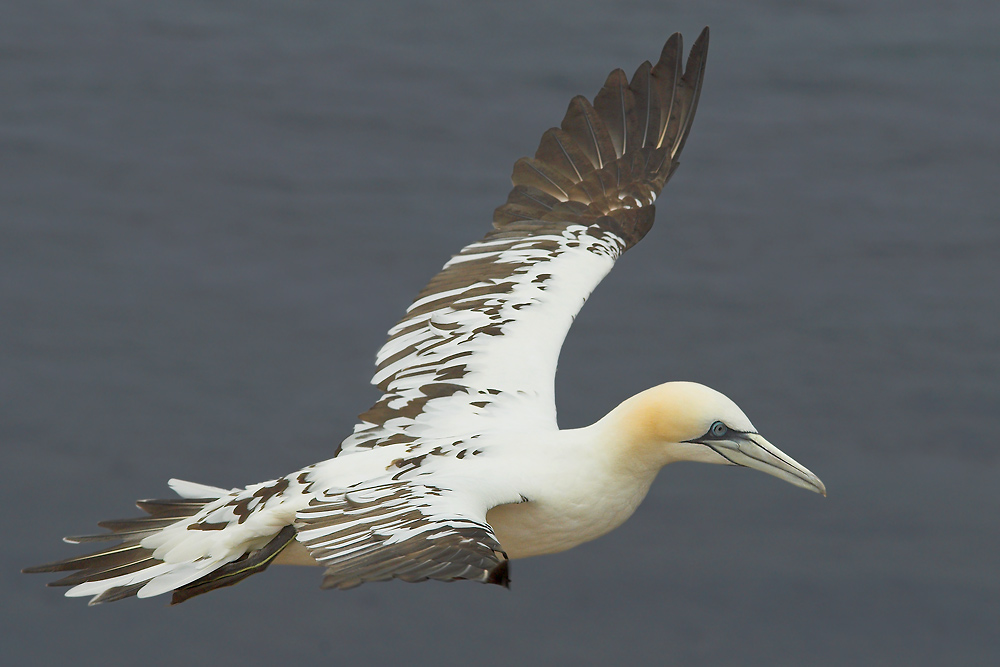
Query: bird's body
[461,464]
[577,491]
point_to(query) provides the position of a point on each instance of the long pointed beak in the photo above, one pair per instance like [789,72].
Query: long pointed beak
[753,451]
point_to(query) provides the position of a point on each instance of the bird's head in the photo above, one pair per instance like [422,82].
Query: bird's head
[686,421]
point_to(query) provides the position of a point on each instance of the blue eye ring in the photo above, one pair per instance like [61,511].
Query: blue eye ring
[718,430]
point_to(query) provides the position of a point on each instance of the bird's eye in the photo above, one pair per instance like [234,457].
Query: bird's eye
[718,429]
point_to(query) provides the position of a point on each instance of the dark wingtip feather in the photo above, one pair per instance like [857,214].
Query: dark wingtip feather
[500,575]
[614,156]
[127,555]
[115,556]
[175,508]
[694,76]
[612,104]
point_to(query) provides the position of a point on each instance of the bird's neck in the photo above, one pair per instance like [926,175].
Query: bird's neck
[646,432]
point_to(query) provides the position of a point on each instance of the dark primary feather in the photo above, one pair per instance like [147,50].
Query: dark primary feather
[615,155]
[612,104]
[125,557]
[128,556]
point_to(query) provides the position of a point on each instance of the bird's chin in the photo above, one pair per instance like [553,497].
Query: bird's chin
[753,451]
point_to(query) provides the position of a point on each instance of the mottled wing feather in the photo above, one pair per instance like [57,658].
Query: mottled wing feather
[127,566]
[481,341]
[177,546]
[399,530]
[477,349]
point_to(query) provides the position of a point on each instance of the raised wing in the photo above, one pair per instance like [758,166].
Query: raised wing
[477,349]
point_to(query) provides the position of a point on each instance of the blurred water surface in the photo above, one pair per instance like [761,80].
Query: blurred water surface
[213,211]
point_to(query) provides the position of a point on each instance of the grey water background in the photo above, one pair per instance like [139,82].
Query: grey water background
[213,211]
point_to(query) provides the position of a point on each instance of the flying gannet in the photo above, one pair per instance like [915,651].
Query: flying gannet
[460,465]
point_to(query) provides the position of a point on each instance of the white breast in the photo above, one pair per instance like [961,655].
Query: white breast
[575,493]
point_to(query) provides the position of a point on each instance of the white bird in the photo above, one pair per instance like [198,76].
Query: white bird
[460,465]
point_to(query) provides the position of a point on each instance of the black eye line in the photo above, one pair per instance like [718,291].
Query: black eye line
[708,437]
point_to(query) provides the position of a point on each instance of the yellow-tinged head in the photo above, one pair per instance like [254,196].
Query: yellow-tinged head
[686,421]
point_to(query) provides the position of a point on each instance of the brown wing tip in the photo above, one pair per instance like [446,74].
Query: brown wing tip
[694,76]
[500,574]
[702,38]
[672,47]
[37,569]
[616,153]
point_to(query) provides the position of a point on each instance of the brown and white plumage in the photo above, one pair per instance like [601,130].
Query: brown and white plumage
[460,464]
